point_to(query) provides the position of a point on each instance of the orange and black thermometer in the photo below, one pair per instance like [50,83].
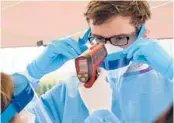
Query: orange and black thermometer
[87,64]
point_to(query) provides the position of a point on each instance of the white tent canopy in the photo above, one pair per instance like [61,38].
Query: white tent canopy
[26,22]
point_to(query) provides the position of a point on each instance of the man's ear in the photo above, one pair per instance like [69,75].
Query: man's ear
[146,34]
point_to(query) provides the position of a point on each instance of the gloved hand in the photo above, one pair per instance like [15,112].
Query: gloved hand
[99,96]
[54,56]
[149,52]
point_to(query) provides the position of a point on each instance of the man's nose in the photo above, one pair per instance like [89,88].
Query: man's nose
[107,41]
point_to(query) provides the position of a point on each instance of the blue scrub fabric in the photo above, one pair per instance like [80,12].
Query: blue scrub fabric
[141,97]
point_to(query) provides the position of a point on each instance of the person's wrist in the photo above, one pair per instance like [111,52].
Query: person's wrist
[34,71]
[29,77]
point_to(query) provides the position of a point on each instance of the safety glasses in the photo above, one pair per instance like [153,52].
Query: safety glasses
[115,40]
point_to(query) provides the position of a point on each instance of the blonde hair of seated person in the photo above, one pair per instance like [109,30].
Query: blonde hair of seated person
[7,89]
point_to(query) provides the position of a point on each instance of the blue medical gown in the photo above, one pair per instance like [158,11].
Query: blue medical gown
[140,98]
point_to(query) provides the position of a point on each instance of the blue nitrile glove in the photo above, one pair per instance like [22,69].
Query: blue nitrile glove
[148,51]
[54,56]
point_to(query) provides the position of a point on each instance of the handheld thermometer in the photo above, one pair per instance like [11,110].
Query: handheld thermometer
[88,62]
